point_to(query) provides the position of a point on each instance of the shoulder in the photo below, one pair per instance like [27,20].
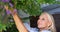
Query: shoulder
[45,31]
[29,28]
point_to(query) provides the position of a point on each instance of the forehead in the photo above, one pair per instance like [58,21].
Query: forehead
[43,15]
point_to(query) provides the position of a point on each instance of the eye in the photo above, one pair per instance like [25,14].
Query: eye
[43,19]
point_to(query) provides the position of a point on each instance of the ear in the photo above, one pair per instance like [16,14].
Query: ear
[49,23]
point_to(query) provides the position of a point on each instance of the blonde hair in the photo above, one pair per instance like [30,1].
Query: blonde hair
[50,18]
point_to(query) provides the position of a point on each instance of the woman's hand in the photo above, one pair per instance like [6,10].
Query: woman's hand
[10,11]
[14,12]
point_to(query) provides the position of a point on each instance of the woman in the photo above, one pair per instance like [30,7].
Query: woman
[45,22]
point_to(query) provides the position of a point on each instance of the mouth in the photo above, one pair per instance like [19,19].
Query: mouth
[41,26]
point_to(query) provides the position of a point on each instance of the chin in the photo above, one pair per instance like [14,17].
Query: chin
[40,26]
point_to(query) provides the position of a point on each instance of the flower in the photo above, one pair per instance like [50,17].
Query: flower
[5,0]
[8,12]
[11,4]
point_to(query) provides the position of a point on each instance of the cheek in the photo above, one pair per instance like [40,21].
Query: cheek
[45,22]
[42,24]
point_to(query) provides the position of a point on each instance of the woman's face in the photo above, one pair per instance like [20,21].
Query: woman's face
[43,21]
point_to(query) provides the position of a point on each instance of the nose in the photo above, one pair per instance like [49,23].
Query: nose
[38,21]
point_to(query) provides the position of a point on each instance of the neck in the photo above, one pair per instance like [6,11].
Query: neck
[45,28]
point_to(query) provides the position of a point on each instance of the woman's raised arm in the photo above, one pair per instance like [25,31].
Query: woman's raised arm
[20,26]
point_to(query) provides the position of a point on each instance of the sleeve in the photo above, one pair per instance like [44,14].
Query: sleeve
[29,28]
[45,31]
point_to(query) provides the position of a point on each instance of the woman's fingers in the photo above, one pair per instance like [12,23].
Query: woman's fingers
[10,11]
[14,11]
[6,7]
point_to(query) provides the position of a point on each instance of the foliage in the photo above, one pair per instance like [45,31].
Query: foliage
[5,21]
